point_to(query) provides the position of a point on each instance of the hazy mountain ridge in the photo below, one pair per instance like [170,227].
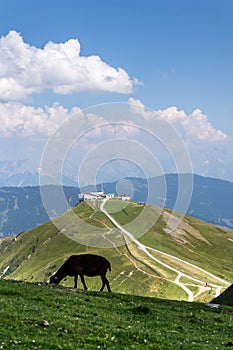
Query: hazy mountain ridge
[211,201]
[26,173]
[21,208]
[22,173]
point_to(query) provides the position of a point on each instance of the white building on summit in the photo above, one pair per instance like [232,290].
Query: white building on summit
[92,196]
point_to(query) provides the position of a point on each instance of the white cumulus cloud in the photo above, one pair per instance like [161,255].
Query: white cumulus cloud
[17,119]
[27,126]
[199,128]
[210,149]
[192,127]
[26,69]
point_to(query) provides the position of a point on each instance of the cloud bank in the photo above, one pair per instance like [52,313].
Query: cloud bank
[24,120]
[18,120]
[26,69]
[210,149]
[194,127]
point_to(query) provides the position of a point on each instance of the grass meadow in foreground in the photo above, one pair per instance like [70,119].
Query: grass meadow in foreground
[102,320]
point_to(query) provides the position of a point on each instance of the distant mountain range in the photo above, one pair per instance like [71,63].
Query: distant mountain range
[211,201]
[21,208]
[21,173]
[26,173]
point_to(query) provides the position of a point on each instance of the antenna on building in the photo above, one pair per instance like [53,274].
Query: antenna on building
[162,201]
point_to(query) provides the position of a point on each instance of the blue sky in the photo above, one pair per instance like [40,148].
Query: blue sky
[174,56]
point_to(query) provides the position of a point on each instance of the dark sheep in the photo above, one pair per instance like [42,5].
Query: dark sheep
[83,264]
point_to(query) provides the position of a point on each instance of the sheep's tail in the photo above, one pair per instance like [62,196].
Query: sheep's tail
[109,266]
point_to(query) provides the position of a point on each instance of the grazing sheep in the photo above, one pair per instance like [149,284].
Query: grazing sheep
[83,264]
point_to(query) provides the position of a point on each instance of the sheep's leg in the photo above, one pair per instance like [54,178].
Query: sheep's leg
[75,281]
[105,283]
[83,282]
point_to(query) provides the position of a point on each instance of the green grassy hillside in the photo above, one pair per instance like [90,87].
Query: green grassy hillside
[34,316]
[205,250]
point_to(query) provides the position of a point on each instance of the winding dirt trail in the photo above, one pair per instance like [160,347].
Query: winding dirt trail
[199,283]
